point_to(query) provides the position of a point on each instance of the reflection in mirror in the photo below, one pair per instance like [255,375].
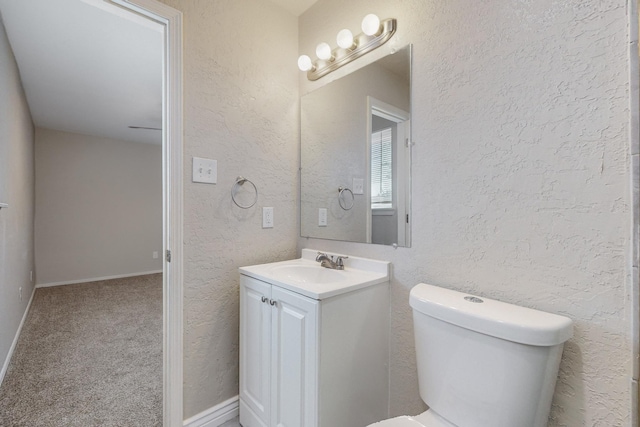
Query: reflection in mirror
[389,173]
[355,134]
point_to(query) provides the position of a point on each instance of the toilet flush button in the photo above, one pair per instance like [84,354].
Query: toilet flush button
[473,299]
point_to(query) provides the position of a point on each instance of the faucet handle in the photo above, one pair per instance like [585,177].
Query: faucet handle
[339,261]
[320,255]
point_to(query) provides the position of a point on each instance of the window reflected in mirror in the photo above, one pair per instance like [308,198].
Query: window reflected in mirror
[382,169]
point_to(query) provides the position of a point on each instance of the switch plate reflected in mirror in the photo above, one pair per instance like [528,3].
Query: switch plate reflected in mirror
[356,133]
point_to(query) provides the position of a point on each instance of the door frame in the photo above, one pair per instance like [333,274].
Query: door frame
[172,201]
[403,186]
[634,171]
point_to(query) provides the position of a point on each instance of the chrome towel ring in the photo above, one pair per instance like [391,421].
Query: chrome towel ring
[240,181]
[341,201]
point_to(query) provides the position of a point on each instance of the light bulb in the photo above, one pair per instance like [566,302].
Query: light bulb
[323,51]
[304,63]
[345,39]
[370,24]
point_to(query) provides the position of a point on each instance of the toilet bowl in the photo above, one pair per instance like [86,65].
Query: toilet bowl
[481,362]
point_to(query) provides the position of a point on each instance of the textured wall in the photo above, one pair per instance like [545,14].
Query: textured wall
[16,189]
[98,207]
[334,136]
[520,176]
[241,107]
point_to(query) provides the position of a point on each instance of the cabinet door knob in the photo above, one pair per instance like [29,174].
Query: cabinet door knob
[265,299]
[273,302]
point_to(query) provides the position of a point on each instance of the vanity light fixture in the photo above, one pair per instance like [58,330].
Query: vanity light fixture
[374,34]
[371,24]
[305,64]
[323,51]
[345,39]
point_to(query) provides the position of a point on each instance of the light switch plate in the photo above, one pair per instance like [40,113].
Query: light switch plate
[322,217]
[205,170]
[358,186]
[267,217]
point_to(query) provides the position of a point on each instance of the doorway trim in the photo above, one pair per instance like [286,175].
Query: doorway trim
[402,187]
[634,172]
[172,201]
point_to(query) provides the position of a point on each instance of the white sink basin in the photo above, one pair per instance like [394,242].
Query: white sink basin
[308,274]
[305,276]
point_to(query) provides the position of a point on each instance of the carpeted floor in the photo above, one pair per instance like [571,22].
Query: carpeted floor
[88,355]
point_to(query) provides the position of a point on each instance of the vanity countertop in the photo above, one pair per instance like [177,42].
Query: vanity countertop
[305,276]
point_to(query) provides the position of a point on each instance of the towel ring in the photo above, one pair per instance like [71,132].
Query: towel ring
[341,202]
[236,186]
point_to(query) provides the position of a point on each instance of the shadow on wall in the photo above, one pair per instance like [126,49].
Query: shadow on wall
[403,371]
[570,384]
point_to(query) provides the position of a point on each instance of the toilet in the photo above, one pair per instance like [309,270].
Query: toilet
[481,362]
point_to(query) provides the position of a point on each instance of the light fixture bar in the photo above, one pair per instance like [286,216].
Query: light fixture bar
[364,45]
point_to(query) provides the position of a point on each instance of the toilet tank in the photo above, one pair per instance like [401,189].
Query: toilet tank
[483,362]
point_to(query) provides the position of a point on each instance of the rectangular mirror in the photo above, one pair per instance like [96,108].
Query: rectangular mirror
[356,155]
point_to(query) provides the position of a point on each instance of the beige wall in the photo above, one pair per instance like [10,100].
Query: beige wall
[16,189]
[520,176]
[241,108]
[98,207]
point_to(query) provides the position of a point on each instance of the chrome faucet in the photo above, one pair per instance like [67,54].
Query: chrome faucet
[328,262]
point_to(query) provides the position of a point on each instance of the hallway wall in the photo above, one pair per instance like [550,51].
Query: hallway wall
[98,207]
[16,189]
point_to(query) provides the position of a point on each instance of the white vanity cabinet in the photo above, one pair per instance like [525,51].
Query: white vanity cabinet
[278,359]
[312,362]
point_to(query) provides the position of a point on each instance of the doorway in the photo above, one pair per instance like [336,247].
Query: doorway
[388,174]
[172,204]
[170,253]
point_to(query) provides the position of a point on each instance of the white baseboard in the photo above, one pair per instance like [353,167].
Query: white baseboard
[215,416]
[96,279]
[5,366]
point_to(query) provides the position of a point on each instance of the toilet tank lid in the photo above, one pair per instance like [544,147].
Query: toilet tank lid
[501,320]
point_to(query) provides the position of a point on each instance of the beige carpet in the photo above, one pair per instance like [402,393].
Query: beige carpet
[88,355]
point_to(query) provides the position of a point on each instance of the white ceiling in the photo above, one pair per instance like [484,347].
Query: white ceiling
[88,67]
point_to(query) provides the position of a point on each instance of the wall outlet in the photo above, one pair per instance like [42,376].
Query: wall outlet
[20,292]
[205,170]
[267,217]
[31,276]
[155,254]
[322,217]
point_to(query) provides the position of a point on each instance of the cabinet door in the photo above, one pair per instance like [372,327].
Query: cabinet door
[294,360]
[255,352]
